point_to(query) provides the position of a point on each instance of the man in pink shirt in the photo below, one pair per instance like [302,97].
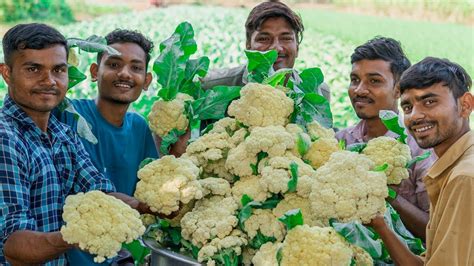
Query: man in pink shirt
[376,69]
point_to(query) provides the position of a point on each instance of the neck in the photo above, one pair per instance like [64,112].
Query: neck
[41,120]
[374,128]
[441,148]
[112,112]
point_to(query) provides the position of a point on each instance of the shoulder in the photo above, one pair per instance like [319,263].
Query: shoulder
[224,76]
[464,167]
[345,134]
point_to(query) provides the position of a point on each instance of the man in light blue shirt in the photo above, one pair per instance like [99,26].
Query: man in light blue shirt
[124,139]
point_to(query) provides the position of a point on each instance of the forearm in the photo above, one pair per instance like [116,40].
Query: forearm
[399,253]
[177,149]
[413,218]
[30,247]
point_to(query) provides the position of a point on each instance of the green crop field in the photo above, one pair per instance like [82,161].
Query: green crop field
[329,40]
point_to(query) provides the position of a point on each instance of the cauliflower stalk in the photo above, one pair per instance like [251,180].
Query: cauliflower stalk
[99,223]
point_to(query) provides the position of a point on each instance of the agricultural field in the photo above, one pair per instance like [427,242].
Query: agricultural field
[329,39]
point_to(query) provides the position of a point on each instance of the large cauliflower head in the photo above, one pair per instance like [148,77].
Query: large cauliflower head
[265,222]
[267,255]
[391,151]
[320,151]
[261,105]
[345,188]
[167,182]
[251,186]
[315,130]
[305,245]
[100,223]
[235,241]
[211,217]
[168,115]
[293,201]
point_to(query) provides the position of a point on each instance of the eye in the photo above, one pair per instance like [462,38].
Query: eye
[137,68]
[430,102]
[32,69]
[406,109]
[60,69]
[375,81]
[354,80]
[113,65]
[262,39]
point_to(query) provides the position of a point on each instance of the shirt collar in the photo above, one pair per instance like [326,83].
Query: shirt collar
[56,129]
[452,154]
[357,132]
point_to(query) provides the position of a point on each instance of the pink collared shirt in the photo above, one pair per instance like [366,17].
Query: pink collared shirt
[412,189]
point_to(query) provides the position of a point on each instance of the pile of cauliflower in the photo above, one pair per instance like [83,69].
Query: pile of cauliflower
[89,218]
[254,166]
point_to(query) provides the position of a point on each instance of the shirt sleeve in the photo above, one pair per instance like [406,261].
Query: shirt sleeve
[452,238]
[14,190]
[87,176]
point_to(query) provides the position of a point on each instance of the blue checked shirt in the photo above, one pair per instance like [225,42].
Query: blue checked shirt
[37,172]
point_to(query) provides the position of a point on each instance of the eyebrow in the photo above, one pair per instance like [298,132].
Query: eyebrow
[420,98]
[30,63]
[116,57]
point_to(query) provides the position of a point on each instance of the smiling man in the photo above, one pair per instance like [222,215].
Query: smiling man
[42,161]
[269,26]
[376,69]
[436,102]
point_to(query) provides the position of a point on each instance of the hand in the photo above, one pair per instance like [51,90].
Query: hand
[377,222]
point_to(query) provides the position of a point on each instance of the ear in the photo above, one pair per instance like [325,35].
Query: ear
[148,79]
[466,102]
[6,73]
[397,91]
[94,69]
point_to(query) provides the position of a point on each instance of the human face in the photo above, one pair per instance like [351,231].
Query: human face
[372,88]
[121,78]
[434,118]
[276,34]
[37,79]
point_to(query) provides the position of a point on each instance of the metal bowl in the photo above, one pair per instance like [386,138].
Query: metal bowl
[164,257]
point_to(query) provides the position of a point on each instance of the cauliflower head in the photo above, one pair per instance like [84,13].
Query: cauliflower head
[293,201]
[99,223]
[320,151]
[167,182]
[361,257]
[345,188]
[391,151]
[267,255]
[315,130]
[215,186]
[305,245]
[210,218]
[267,223]
[251,186]
[168,115]
[261,105]
[233,242]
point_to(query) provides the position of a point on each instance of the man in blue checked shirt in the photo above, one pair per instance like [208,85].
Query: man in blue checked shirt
[42,161]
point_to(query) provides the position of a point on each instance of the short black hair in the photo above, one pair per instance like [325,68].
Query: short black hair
[30,36]
[386,49]
[129,36]
[267,10]
[431,70]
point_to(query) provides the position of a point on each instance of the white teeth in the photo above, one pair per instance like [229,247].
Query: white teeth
[423,129]
[122,85]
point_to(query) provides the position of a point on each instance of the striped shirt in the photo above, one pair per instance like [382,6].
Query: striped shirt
[38,170]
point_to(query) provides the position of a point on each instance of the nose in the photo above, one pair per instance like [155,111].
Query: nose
[124,73]
[48,79]
[417,113]
[276,45]
[361,89]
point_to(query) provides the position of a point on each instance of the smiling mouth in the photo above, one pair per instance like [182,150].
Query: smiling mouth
[123,85]
[422,129]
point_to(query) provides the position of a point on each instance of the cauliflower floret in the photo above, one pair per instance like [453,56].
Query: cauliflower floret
[315,130]
[293,201]
[211,217]
[147,219]
[233,242]
[99,223]
[265,222]
[215,186]
[305,245]
[168,115]
[320,151]
[276,173]
[251,186]
[273,140]
[267,255]
[391,151]
[166,182]
[298,135]
[361,257]
[185,208]
[239,160]
[345,188]
[261,105]
[247,255]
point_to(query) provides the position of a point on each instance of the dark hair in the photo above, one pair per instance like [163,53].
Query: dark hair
[30,36]
[267,10]
[431,70]
[386,49]
[129,36]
